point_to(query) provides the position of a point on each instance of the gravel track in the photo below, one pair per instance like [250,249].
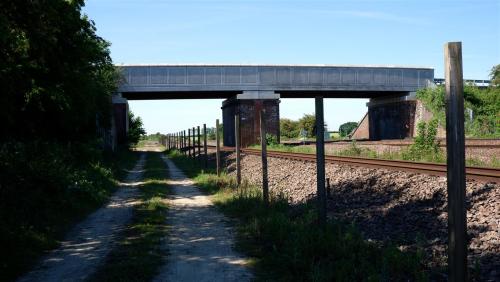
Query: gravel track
[200,240]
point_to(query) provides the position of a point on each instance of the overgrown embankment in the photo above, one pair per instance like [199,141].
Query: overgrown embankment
[56,83]
[288,245]
[139,252]
[44,189]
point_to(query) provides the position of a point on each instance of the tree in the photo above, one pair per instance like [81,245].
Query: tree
[135,129]
[346,128]
[308,123]
[56,75]
[289,128]
[495,75]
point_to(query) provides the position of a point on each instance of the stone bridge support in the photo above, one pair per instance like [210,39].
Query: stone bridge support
[119,120]
[388,118]
[248,105]
[392,118]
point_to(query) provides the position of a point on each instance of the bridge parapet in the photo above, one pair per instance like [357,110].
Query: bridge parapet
[197,78]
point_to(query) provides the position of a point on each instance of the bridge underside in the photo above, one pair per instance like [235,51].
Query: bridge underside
[248,89]
[178,95]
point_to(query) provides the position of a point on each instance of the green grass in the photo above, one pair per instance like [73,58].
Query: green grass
[190,167]
[287,244]
[288,149]
[139,254]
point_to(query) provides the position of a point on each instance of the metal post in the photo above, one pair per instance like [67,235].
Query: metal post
[263,144]
[455,148]
[199,142]
[205,148]
[217,152]
[238,153]
[320,161]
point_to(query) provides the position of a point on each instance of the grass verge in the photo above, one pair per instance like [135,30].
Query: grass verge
[288,245]
[139,253]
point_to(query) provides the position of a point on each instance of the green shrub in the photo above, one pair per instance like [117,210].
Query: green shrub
[271,139]
[426,145]
[484,104]
[346,128]
[289,128]
[39,180]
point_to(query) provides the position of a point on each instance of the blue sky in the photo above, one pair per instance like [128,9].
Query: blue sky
[292,32]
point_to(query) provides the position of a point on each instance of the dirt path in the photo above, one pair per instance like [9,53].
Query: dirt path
[200,241]
[88,243]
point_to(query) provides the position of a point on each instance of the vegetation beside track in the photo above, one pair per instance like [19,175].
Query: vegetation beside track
[56,83]
[38,181]
[287,243]
[140,253]
[411,153]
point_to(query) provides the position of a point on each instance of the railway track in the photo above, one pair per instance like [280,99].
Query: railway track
[469,143]
[476,173]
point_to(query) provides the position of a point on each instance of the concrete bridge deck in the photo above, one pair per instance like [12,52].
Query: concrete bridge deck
[142,82]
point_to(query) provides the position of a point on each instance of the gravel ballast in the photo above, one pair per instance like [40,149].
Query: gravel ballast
[407,209]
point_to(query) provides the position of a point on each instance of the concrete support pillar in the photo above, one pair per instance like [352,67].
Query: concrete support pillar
[120,119]
[248,105]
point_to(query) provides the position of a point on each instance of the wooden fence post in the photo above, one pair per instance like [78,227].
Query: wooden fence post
[194,143]
[217,152]
[205,148]
[320,160]
[263,144]
[238,153]
[199,143]
[184,143]
[189,142]
[455,148]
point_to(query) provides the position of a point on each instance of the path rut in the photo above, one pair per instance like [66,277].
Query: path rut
[88,243]
[200,241]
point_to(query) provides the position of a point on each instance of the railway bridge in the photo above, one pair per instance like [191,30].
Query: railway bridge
[249,88]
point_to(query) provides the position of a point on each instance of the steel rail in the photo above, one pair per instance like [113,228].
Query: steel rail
[486,174]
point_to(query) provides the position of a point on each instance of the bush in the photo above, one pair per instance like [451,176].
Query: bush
[271,139]
[346,128]
[308,123]
[38,181]
[426,145]
[484,104]
[135,129]
[289,128]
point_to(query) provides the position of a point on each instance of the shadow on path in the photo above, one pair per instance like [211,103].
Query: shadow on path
[200,242]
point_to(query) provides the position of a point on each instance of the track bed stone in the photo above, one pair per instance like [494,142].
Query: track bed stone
[408,209]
